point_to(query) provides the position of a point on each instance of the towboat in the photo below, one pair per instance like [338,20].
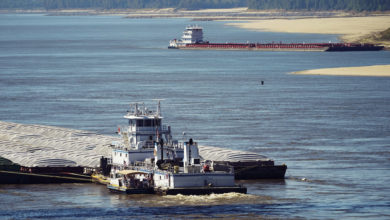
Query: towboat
[167,175]
[145,129]
[148,159]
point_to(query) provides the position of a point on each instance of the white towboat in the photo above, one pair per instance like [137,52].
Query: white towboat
[168,176]
[191,35]
[148,159]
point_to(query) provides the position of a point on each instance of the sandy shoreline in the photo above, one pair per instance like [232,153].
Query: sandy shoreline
[377,70]
[351,28]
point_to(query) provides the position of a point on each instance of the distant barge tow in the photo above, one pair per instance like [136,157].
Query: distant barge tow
[192,38]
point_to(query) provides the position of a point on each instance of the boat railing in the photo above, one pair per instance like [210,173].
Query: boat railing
[177,145]
[149,167]
[162,129]
[148,144]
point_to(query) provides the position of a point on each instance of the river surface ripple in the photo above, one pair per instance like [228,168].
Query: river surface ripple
[82,71]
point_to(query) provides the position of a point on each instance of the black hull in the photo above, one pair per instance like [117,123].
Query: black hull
[259,172]
[132,191]
[12,177]
[201,190]
[358,48]
[251,170]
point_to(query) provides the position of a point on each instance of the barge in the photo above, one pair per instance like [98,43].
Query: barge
[11,173]
[192,38]
[247,165]
[31,154]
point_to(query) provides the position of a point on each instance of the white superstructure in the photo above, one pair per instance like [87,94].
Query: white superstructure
[193,173]
[161,163]
[191,35]
[138,137]
[164,175]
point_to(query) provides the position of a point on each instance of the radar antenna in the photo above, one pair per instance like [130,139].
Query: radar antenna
[158,112]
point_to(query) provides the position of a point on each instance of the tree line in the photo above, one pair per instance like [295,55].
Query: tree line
[321,5]
[121,4]
[349,5]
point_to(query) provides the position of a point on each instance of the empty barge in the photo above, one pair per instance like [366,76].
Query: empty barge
[192,38]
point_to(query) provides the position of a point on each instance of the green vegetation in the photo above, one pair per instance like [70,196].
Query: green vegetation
[8,165]
[4,161]
[349,5]
[21,4]
[384,35]
[121,4]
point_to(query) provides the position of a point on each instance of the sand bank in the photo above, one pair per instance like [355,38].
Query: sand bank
[218,10]
[351,28]
[377,70]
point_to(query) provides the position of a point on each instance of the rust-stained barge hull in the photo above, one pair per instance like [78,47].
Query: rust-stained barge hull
[327,47]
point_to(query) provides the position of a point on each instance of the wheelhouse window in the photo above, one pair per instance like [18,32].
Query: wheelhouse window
[148,123]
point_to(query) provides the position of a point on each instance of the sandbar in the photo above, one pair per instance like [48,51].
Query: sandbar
[376,70]
[350,28]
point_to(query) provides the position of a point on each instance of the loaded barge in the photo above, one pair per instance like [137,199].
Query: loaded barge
[47,154]
[32,154]
[192,38]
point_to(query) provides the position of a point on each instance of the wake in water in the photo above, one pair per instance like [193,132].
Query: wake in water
[199,200]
